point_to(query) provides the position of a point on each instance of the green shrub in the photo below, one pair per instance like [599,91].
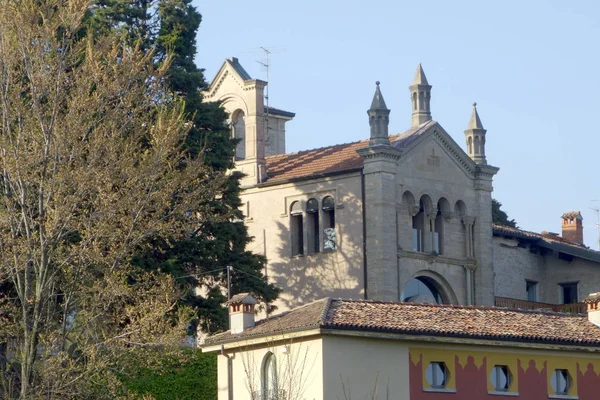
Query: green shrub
[193,376]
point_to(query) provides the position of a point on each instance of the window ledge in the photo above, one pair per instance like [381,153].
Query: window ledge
[498,393]
[439,390]
[562,396]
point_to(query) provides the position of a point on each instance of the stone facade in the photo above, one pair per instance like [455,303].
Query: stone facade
[410,214]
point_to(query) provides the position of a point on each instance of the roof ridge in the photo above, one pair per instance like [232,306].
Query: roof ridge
[326,147]
[459,307]
[323,316]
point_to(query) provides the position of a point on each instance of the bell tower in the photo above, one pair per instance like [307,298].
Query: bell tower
[420,95]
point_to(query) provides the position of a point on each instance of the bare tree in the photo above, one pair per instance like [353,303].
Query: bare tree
[290,370]
[92,168]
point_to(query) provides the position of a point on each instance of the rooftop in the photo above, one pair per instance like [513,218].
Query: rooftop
[329,160]
[549,241]
[487,323]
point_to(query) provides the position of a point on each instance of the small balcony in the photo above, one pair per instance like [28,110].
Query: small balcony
[573,308]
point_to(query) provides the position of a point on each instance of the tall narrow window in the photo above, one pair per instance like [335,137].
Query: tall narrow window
[568,292]
[329,239]
[532,288]
[297,230]
[418,225]
[312,226]
[438,233]
[270,384]
[239,132]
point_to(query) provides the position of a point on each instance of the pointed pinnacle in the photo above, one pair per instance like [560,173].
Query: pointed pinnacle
[378,103]
[420,78]
[475,122]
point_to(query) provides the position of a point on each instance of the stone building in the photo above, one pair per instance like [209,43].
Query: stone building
[401,217]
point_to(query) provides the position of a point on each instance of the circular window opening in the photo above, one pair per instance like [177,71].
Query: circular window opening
[437,375]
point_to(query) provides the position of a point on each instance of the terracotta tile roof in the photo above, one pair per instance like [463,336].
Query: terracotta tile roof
[327,160]
[553,237]
[307,316]
[489,323]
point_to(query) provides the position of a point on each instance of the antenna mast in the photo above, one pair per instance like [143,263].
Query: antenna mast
[266,65]
[597,224]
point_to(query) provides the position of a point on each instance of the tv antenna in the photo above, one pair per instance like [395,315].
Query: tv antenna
[597,224]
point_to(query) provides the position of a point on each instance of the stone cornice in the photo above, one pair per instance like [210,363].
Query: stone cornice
[486,171]
[379,151]
[436,258]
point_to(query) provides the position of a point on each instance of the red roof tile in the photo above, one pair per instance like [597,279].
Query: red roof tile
[331,159]
[431,320]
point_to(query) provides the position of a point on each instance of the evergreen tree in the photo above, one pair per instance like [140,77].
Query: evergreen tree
[169,28]
[499,217]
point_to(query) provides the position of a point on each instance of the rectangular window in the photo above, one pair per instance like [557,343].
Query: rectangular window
[532,288]
[417,240]
[568,292]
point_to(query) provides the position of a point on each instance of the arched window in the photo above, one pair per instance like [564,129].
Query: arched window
[239,132]
[477,146]
[312,226]
[470,146]
[270,384]
[329,239]
[423,289]
[296,228]
[421,224]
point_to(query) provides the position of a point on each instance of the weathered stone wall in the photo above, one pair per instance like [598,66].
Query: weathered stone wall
[513,265]
[305,278]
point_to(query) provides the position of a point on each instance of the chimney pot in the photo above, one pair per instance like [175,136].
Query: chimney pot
[572,226]
[593,308]
[241,312]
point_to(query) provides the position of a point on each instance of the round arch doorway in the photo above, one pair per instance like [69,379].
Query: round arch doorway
[424,289]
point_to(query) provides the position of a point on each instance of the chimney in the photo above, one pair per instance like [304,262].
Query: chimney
[241,312]
[593,308]
[572,226]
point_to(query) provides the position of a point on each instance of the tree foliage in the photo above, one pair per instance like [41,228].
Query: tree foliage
[93,169]
[500,217]
[168,29]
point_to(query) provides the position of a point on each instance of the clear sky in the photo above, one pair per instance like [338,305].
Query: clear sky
[531,66]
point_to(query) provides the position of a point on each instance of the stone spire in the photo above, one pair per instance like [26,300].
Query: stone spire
[420,94]
[379,119]
[475,136]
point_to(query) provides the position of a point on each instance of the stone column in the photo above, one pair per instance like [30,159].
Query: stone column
[468,222]
[469,279]
[380,215]
[483,236]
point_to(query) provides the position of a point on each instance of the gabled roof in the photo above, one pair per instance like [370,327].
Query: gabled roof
[332,159]
[486,323]
[549,241]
